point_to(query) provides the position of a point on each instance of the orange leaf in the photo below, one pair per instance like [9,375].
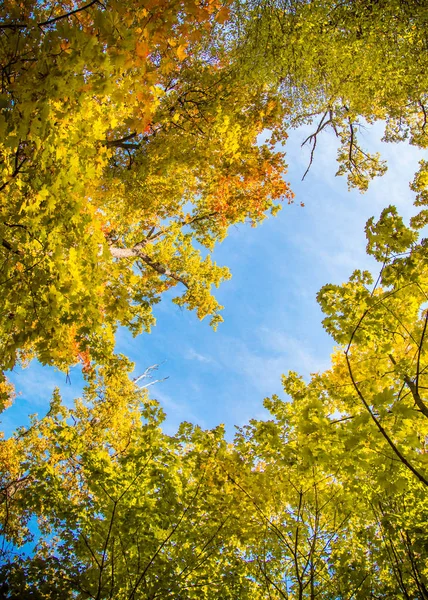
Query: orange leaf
[222,15]
[142,49]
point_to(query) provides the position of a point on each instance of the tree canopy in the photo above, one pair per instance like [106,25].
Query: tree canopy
[133,136]
[128,149]
[343,65]
[326,499]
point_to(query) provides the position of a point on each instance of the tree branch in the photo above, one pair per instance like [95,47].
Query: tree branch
[313,137]
[413,388]
[53,20]
[141,576]
[136,252]
[270,581]
[9,247]
[13,25]
[15,172]
[378,424]
[114,143]
[69,14]
[146,374]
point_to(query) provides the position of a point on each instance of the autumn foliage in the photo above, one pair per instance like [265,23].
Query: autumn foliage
[126,137]
[133,135]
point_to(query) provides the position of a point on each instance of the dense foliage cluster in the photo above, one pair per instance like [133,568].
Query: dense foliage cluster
[130,143]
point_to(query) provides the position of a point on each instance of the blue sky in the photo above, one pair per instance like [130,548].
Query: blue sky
[272,321]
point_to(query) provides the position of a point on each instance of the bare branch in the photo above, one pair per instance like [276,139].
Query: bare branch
[312,138]
[146,374]
[143,387]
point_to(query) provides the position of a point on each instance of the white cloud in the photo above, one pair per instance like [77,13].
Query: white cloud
[191,354]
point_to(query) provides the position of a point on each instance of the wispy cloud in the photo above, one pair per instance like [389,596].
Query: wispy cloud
[191,354]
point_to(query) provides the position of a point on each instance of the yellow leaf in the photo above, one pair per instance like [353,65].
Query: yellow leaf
[181,52]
